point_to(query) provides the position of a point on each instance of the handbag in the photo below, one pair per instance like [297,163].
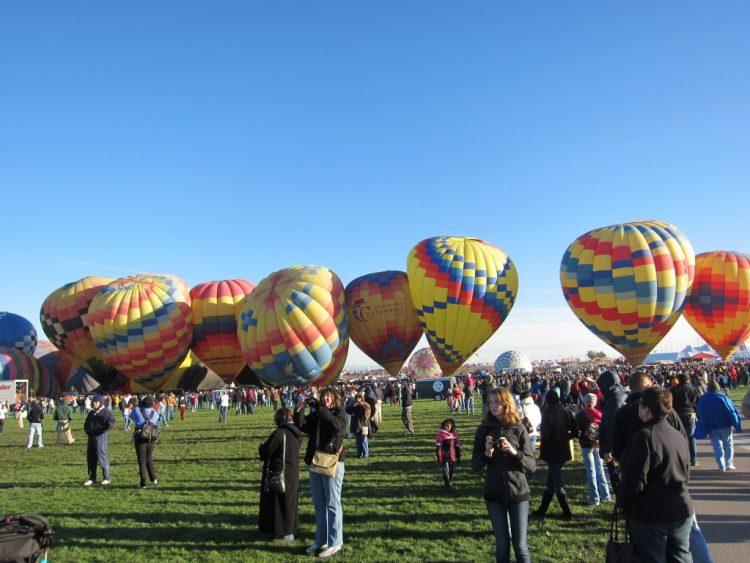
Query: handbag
[620,551]
[274,481]
[323,463]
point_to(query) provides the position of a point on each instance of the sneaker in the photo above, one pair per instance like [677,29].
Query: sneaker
[315,548]
[105,482]
[154,483]
[731,468]
[88,483]
[330,552]
[694,464]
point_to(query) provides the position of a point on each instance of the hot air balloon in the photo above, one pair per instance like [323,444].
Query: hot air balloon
[423,364]
[14,365]
[512,362]
[142,325]
[191,375]
[463,289]
[293,327]
[57,364]
[17,332]
[382,319]
[628,283]
[64,318]
[718,305]
[215,307]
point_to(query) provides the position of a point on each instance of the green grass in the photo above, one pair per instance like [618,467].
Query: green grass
[206,504]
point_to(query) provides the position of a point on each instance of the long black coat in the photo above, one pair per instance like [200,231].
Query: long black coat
[557,429]
[279,514]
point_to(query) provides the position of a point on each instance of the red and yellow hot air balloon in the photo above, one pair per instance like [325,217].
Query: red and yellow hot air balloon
[628,283]
[142,325]
[215,307]
[382,320]
[463,289]
[718,306]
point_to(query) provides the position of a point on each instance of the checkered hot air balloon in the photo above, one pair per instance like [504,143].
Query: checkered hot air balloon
[463,289]
[17,332]
[718,305]
[215,308]
[293,327]
[142,325]
[64,319]
[382,319]
[628,283]
[423,364]
[14,365]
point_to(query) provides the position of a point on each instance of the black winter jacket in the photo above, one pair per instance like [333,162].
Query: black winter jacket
[684,398]
[332,430]
[98,422]
[556,432]
[36,414]
[614,397]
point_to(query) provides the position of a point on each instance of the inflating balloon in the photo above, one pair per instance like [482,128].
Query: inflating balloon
[57,364]
[424,364]
[215,307]
[142,325]
[512,362]
[293,327]
[191,375]
[718,305]
[463,289]
[628,283]
[17,332]
[14,365]
[382,320]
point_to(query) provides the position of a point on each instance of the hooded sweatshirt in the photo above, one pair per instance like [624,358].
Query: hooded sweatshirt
[614,396]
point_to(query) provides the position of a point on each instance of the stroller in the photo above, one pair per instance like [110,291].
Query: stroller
[24,537]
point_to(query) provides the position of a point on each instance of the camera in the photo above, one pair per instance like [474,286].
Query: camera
[496,442]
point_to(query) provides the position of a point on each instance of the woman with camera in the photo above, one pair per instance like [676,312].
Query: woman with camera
[501,445]
[279,511]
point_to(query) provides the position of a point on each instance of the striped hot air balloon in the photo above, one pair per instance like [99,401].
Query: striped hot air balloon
[215,308]
[628,283]
[718,306]
[382,320]
[463,289]
[14,365]
[293,327]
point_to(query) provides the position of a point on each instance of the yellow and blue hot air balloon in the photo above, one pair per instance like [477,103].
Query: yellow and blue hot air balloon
[628,283]
[718,306]
[463,289]
[293,327]
[382,320]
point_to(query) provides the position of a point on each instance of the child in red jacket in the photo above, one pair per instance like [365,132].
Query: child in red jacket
[448,450]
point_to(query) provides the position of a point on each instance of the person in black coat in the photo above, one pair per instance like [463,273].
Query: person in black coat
[279,512]
[557,430]
[684,397]
[654,488]
[98,423]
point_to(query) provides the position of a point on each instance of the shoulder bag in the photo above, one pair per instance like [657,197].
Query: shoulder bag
[323,463]
[620,551]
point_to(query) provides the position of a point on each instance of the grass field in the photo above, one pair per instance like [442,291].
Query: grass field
[205,506]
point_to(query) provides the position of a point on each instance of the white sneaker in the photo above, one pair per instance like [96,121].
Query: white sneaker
[105,482]
[88,483]
[314,548]
[330,552]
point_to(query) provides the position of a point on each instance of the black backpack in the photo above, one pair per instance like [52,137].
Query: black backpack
[24,537]
[149,432]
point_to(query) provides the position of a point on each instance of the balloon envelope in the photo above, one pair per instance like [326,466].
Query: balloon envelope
[463,289]
[628,283]
[17,332]
[424,364]
[215,308]
[14,365]
[718,306]
[293,327]
[382,320]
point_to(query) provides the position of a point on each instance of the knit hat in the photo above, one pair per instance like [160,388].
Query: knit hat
[96,399]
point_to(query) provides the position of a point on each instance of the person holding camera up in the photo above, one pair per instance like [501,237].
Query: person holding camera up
[502,446]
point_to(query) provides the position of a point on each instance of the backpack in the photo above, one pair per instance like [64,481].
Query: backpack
[149,432]
[24,537]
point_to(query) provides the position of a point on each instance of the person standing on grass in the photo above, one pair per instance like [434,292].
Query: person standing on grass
[587,420]
[36,415]
[144,449]
[360,413]
[64,416]
[448,450]
[183,407]
[98,423]
[223,406]
[18,412]
[3,415]
[501,445]
[717,415]
[406,404]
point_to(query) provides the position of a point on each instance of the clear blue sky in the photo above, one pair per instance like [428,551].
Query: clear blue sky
[230,139]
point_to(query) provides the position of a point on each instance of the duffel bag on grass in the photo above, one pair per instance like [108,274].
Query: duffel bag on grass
[24,537]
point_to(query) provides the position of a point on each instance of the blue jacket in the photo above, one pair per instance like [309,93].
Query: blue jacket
[715,410]
[139,420]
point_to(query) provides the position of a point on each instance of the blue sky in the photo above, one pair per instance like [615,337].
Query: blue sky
[223,139]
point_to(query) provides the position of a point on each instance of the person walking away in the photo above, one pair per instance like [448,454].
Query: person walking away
[684,397]
[171,404]
[279,511]
[36,415]
[557,429]
[654,488]
[3,415]
[502,447]
[360,426]
[717,415]
[587,421]
[64,416]
[406,404]
[448,450]
[99,422]
[145,444]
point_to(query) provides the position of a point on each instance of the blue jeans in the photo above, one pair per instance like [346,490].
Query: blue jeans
[721,440]
[698,546]
[519,520]
[329,515]
[532,443]
[363,449]
[170,414]
[470,405]
[689,423]
[35,427]
[598,487]
[554,478]
[662,541]
[223,414]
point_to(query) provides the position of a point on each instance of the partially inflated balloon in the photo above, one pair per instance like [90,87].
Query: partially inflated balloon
[424,364]
[463,289]
[191,375]
[142,325]
[382,319]
[215,307]
[628,283]
[57,364]
[14,365]
[17,332]
[293,327]
[718,306]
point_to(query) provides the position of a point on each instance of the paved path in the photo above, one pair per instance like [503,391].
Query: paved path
[722,500]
